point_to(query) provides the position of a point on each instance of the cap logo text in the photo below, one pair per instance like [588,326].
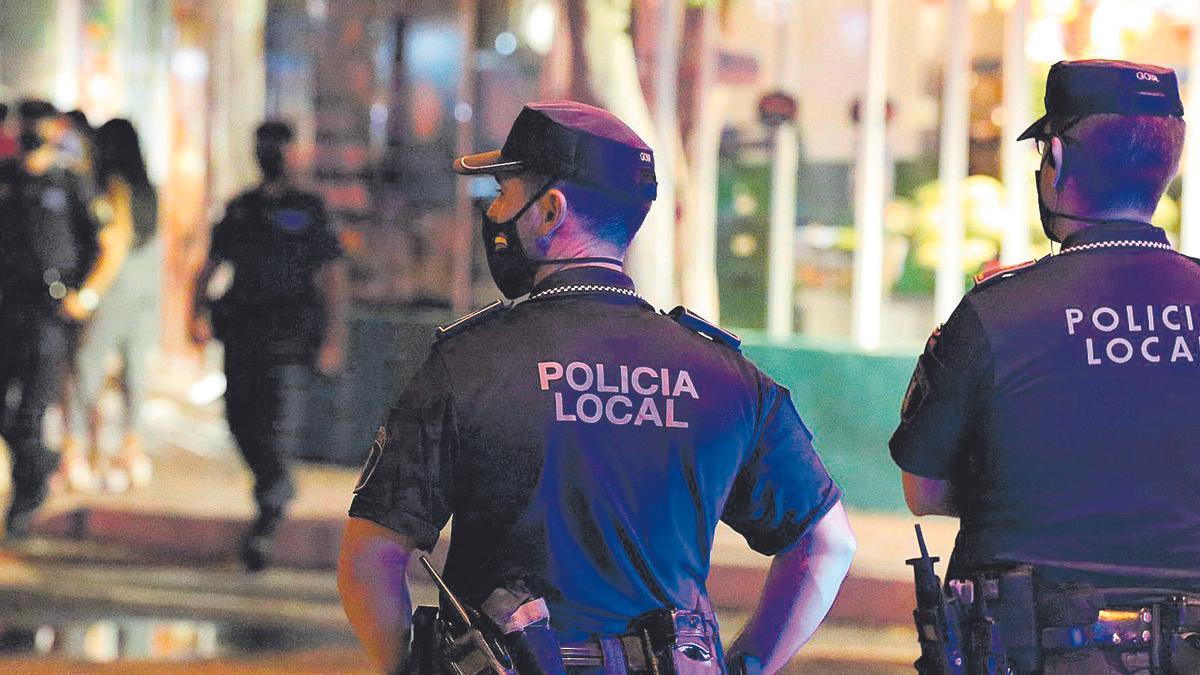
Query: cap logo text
[645,156]
[1150,77]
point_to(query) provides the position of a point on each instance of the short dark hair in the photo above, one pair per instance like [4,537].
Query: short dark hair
[612,219]
[274,130]
[1123,161]
[32,109]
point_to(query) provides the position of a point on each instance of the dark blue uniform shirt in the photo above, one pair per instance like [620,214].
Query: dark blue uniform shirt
[1062,401]
[586,446]
[277,241]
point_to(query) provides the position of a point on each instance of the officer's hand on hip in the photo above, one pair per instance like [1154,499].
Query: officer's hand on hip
[331,359]
[75,309]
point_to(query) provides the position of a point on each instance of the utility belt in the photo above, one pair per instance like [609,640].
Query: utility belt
[1012,622]
[662,642]
[516,637]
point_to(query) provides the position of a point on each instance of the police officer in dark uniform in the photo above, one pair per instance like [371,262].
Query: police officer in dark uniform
[1055,411]
[586,444]
[47,243]
[280,317]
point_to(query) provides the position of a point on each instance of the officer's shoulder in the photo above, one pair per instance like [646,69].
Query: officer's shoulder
[992,276]
[698,324]
[471,321]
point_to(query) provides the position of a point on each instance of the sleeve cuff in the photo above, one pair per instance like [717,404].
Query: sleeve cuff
[423,535]
[792,536]
[916,467]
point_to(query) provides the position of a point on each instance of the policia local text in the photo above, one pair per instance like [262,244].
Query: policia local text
[1131,333]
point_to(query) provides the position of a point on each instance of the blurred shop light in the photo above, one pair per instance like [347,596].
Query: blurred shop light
[100,87]
[855,27]
[1112,20]
[539,27]
[506,43]
[43,639]
[463,112]
[189,65]
[101,642]
[318,10]
[776,11]
[1063,10]
[1045,42]
[1181,10]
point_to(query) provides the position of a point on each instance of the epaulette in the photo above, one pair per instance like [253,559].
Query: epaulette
[470,320]
[1001,272]
[693,322]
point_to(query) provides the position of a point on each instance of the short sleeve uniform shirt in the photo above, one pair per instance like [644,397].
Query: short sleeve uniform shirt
[1061,400]
[276,243]
[587,446]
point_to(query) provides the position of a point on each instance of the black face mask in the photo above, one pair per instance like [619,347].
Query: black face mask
[511,267]
[30,141]
[1048,215]
[272,165]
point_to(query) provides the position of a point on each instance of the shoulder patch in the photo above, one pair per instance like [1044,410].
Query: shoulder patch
[471,320]
[695,323]
[1000,272]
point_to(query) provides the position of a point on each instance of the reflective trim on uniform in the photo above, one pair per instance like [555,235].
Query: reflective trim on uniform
[1123,243]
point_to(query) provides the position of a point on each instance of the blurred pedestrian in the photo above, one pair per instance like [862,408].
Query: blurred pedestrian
[119,300]
[47,242]
[8,140]
[280,317]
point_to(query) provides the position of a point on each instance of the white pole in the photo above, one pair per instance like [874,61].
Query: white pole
[781,254]
[952,163]
[667,128]
[68,26]
[867,300]
[781,258]
[1189,228]
[1017,178]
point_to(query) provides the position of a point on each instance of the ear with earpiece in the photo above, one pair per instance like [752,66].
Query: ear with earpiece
[1058,160]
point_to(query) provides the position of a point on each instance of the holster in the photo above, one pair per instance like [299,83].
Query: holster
[674,642]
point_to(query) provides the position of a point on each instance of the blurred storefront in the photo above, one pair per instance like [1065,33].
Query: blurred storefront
[845,228]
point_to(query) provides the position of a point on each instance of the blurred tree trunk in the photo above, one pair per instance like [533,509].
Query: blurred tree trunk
[216,100]
[613,50]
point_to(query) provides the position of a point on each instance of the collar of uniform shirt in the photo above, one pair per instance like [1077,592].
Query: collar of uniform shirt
[1114,232]
[588,274]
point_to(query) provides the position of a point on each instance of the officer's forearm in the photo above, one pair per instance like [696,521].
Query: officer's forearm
[374,590]
[929,497]
[800,589]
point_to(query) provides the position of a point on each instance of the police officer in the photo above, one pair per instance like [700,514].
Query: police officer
[280,317]
[1055,411]
[47,242]
[586,444]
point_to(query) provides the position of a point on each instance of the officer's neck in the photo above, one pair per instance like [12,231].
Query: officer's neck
[546,270]
[1068,224]
[275,185]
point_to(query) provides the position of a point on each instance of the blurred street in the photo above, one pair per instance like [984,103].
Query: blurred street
[146,581]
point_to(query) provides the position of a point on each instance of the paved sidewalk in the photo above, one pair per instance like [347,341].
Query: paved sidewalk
[191,516]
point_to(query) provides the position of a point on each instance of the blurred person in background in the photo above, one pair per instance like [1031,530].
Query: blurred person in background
[8,140]
[47,243]
[279,319]
[119,301]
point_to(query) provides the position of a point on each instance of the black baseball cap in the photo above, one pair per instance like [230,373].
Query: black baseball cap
[1094,86]
[32,109]
[576,142]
